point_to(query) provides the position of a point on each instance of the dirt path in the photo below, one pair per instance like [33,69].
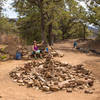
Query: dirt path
[11,91]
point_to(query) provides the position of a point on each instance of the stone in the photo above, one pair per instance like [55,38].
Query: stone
[37,83]
[15,80]
[29,84]
[69,90]
[63,84]
[88,91]
[81,87]
[20,81]
[0,96]
[18,74]
[25,81]
[46,88]
[54,88]
[90,82]
[26,57]
[64,63]
[54,54]
[61,54]
[41,66]
[81,81]
[21,84]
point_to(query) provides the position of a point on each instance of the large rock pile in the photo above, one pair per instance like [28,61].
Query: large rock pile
[52,75]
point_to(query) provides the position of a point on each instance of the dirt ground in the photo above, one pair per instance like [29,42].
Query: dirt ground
[11,91]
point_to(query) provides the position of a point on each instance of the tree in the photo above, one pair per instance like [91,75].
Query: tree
[1,2]
[52,17]
[6,26]
[29,27]
[48,10]
[93,11]
[74,15]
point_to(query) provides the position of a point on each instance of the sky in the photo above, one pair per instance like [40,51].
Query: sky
[9,10]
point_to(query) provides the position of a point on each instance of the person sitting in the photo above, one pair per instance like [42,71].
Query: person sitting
[36,50]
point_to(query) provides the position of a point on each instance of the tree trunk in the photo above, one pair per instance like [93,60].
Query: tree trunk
[50,36]
[84,32]
[63,37]
[43,35]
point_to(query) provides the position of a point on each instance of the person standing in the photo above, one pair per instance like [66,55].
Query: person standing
[75,44]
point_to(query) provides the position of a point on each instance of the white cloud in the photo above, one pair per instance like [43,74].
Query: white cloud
[9,11]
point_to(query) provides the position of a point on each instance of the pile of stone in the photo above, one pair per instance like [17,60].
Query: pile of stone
[10,51]
[52,75]
[55,53]
[26,52]
[87,50]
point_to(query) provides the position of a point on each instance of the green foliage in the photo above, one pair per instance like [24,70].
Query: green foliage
[29,28]
[94,11]
[6,26]
[39,19]
[38,15]
[1,4]
[2,49]
[3,56]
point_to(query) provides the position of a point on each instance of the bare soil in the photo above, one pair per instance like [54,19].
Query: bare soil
[11,91]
